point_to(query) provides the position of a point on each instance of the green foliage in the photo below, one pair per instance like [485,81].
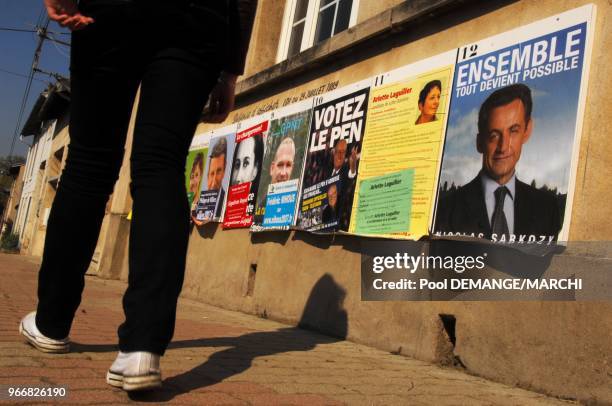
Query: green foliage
[9,241]
[8,161]
[5,179]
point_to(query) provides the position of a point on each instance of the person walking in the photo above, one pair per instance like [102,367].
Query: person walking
[180,53]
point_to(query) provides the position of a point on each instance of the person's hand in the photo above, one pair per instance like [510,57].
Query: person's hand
[66,14]
[221,98]
[353,160]
[197,222]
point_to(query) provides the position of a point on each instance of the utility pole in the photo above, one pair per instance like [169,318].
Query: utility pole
[41,31]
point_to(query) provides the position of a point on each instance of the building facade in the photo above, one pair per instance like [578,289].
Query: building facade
[46,133]
[12,204]
[29,212]
[301,49]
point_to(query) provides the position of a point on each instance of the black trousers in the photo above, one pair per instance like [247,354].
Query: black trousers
[168,50]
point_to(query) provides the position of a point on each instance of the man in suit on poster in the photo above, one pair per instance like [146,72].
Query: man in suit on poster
[496,204]
[347,173]
[330,212]
[214,184]
[216,172]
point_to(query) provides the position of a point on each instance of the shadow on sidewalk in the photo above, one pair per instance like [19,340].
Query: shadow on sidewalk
[323,311]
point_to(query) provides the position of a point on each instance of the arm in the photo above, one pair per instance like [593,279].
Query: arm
[353,163]
[66,14]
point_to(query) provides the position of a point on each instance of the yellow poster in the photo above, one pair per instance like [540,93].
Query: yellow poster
[405,131]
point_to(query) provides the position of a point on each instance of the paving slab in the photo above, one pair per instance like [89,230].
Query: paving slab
[221,357]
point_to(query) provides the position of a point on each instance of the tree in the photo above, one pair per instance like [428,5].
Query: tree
[6,180]
[8,161]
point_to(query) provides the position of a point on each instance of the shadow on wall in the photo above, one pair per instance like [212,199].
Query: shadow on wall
[324,311]
[208,230]
[278,237]
[350,243]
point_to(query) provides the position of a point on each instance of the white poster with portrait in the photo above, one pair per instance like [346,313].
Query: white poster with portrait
[513,136]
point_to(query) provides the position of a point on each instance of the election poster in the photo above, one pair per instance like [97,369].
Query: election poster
[400,161]
[332,160]
[194,169]
[277,198]
[246,172]
[515,120]
[217,172]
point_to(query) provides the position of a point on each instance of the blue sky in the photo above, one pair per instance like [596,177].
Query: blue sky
[16,53]
[546,157]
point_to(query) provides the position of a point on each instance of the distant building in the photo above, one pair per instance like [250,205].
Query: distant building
[47,128]
[14,197]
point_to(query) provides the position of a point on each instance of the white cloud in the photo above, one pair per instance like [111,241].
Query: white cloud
[466,127]
[538,93]
[547,155]
[459,169]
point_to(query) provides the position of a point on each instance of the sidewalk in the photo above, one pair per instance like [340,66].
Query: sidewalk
[223,357]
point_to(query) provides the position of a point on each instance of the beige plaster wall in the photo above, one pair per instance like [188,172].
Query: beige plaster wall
[369,8]
[53,168]
[265,36]
[562,349]
[268,26]
[31,225]
[112,245]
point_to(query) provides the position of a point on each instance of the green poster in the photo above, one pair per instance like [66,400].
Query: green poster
[385,203]
[194,172]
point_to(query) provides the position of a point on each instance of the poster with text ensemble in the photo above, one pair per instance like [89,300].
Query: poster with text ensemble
[512,143]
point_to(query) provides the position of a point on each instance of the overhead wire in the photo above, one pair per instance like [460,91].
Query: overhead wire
[52,38]
[59,50]
[12,29]
[41,16]
[20,75]
[15,29]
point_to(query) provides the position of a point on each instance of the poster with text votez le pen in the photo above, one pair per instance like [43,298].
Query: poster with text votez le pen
[511,152]
[215,178]
[402,148]
[246,172]
[283,165]
[332,160]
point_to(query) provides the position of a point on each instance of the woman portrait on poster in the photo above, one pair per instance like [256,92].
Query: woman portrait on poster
[195,180]
[429,101]
[247,161]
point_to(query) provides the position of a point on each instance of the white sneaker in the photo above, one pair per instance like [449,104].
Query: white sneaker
[33,336]
[134,371]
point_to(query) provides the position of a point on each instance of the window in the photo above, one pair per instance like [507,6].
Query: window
[308,22]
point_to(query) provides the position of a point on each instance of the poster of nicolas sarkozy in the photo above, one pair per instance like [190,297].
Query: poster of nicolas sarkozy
[513,134]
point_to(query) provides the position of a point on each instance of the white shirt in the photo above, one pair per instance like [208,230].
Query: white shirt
[489,186]
[351,174]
